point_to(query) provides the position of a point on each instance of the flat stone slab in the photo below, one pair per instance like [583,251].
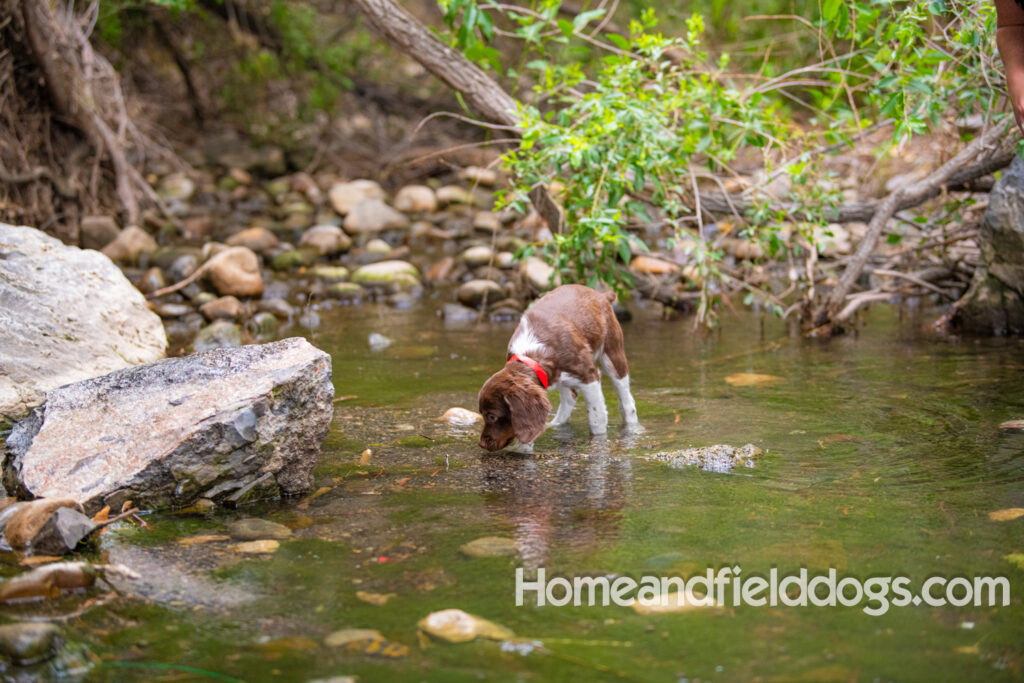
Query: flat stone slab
[226,425]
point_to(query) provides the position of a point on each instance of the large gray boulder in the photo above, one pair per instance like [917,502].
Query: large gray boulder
[227,425]
[996,301]
[66,314]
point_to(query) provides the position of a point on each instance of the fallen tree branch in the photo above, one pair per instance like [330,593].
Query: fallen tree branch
[481,92]
[862,212]
[830,313]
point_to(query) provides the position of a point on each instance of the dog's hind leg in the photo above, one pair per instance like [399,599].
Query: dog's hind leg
[627,406]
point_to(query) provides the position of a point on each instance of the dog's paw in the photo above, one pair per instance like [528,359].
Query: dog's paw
[521,448]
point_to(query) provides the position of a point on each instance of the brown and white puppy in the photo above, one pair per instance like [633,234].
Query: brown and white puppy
[557,344]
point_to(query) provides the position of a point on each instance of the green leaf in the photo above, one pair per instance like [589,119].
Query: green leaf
[583,18]
[618,41]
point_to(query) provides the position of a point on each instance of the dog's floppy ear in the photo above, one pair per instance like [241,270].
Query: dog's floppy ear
[529,407]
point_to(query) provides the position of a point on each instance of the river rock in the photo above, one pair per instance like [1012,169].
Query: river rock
[224,308]
[96,232]
[48,581]
[373,215]
[225,425]
[416,199]
[263,325]
[480,176]
[441,270]
[475,257]
[348,292]
[453,194]
[348,636]
[329,273]
[263,547]
[486,221]
[129,245]
[475,292]
[537,274]
[277,306]
[326,240]
[457,313]
[182,266]
[66,314]
[719,458]
[378,247]
[995,300]
[461,417]
[220,334]
[45,526]
[344,196]
[27,643]
[490,546]
[176,186]
[236,272]
[255,529]
[385,272]
[456,626]
[258,239]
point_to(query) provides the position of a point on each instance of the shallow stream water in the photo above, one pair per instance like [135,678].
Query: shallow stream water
[882,457]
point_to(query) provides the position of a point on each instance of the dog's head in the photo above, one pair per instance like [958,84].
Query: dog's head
[514,406]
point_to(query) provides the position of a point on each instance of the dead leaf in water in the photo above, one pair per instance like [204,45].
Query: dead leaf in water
[102,516]
[1013,424]
[378,599]
[204,538]
[366,456]
[751,379]
[1006,515]
[967,650]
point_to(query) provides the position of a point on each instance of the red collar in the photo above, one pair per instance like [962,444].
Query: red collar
[533,365]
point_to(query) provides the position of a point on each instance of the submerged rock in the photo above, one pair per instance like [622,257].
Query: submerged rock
[227,425]
[66,314]
[48,581]
[254,529]
[720,458]
[29,643]
[456,626]
[490,546]
[461,417]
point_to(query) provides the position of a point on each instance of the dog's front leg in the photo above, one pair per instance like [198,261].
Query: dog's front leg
[567,401]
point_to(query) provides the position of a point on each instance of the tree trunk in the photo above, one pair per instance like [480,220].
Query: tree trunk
[480,91]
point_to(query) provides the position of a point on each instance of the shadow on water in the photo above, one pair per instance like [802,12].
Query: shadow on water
[883,457]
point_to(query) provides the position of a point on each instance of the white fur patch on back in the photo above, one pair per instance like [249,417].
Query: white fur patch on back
[524,341]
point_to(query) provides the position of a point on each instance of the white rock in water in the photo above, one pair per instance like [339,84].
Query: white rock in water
[456,626]
[66,314]
[227,425]
[461,417]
